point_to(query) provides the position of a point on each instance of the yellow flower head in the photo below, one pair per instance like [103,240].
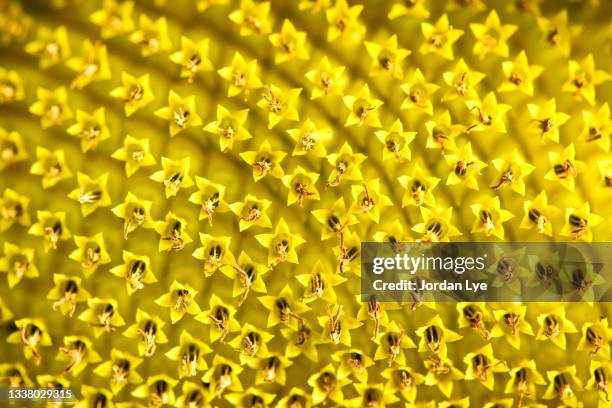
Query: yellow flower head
[158,390]
[92,66]
[189,354]
[462,82]
[510,323]
[583,77]
[441,132]
[52,227]
[180,112]
[436,225]
[396,142]
[334,219]
[391,344]
[539,214]
[492,36]
[363,109]
[50,46]
[135,212]
[91,252]
[419,93]
[546,120]
[174,175]
[223,377]
[512,171]
[11,86]
[290,44]
[367,199]
[579,223]
[229,126]
[280,104]
[192,57]
[180,300]
[90,128]
[344,22]
[301,185]
[242,76]
[136,93]
[78,351]
[465,167]
[18,263]
[102,315]
[210,198]
[51,106]
[387,58]
[346,165]
[563,385]
[439,38]
[281,245]
[92,193]
[120,370]
[215,252]
[12,149]
[418,188]
[564,167]
[114,18]
[490,114]
[221,318]
[556,32]
[151,36]
[253,18]
[252,211]
[319,283]
[172,234]
[519,75]
[13,209]
[265,161]
[284,308]
[148,331]
[327,79]
[490,217]
[310,139]
[597,127]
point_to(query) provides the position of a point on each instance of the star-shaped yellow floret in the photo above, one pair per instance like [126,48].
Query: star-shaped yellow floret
[387,58]
[180,112]
[490,217]
[151,36]
[92,193]
[546,120]
[583,78]
[396,142]
[221,318]
[482,365]
[215,252]
[512,171]
[418,187]
[327,79]
[557,33]
[120,370]
[192,57]
[441,132]
[253,18]
[136,270]
[579,223]
[136,93]
[229,126]
[310,139]
[51,166]
[554,326]
[51,106]
[280,104]
[301,185]
[210,196]
[289,43]
[12,149]
[102,315]
[90,128]
[172,233]
[91,252]
[135,212]
[114,18]
[413,8]
[52,227]
[368,199]
[461,82]
[189,355]
[439,38]
[92,66]
[252,211]
[284,307]
[492,36]
[334,219]
[265,161]
[281,245]
[539,214]
[11,86]
[597,127]
[419,93]
[346,165]
[564,167]
[490,114]
[151,390]
[174,175]
[243,76]
[465,167]
[18,263]
[50,46]
[13,209]
[66,293]
[180,300]
[135,153]
[363,109]
[344,22]
[519,75]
